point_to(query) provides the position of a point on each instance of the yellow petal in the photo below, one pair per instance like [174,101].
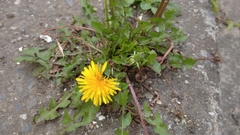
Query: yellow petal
[104,67]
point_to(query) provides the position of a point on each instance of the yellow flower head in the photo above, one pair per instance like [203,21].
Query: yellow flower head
[94,86]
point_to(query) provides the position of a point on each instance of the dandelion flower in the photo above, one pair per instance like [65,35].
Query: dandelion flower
[94,86]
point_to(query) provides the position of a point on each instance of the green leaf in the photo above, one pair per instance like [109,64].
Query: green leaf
[38,71]
[230,24]
[52,113]
[118,132]
[122,97]
[118,60]
[160,127]
[176,57]
[44,63]
[32,51]
[126,120]
[127,3]
[154,10]
[145,6]
[189,62]
[120,75]
[87,8]
[151,57]
[64,104]
[97,26]
[146,110]
[25,58]
[127,47]
[73,127]
[175,7]
[46,115]
[52,104]
[66,118]
[90,110]
[45,55]
[156,67]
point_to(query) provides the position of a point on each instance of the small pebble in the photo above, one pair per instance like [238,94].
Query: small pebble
[159,102]
[17,2]
[186,82]
[94,122]
[23,116]
[13,28]
[10,15]
[148,95]
[101,117]
[211,113]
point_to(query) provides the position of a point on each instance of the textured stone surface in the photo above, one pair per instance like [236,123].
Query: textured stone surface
[209,101]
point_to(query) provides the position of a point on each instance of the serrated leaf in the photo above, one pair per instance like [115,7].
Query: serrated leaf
[189,62]
[52,104]
[126,120]
[45,55]
[64,104]
[158,125]
[66,118]
[25,58]
[90,111]
[44,63]
[73,127]
[146,110]
[32,51]
[46,115]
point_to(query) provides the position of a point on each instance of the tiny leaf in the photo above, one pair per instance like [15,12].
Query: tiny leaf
[126,120]
[66,118]
[146,110]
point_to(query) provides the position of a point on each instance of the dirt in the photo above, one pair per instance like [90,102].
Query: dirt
[198,106]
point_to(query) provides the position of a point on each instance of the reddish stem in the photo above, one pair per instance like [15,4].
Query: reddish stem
[137,105]
[168,51]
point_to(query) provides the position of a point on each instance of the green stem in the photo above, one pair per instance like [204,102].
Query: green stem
[106,13]
[123,110]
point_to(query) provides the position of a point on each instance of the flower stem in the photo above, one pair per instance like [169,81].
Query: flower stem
[161,8]
[137,105]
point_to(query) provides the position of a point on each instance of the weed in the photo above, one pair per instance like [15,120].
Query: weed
[125,43]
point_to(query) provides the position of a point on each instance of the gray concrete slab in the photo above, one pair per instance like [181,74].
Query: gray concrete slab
[229,46]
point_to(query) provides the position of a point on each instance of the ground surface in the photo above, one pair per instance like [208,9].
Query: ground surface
[207,95]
